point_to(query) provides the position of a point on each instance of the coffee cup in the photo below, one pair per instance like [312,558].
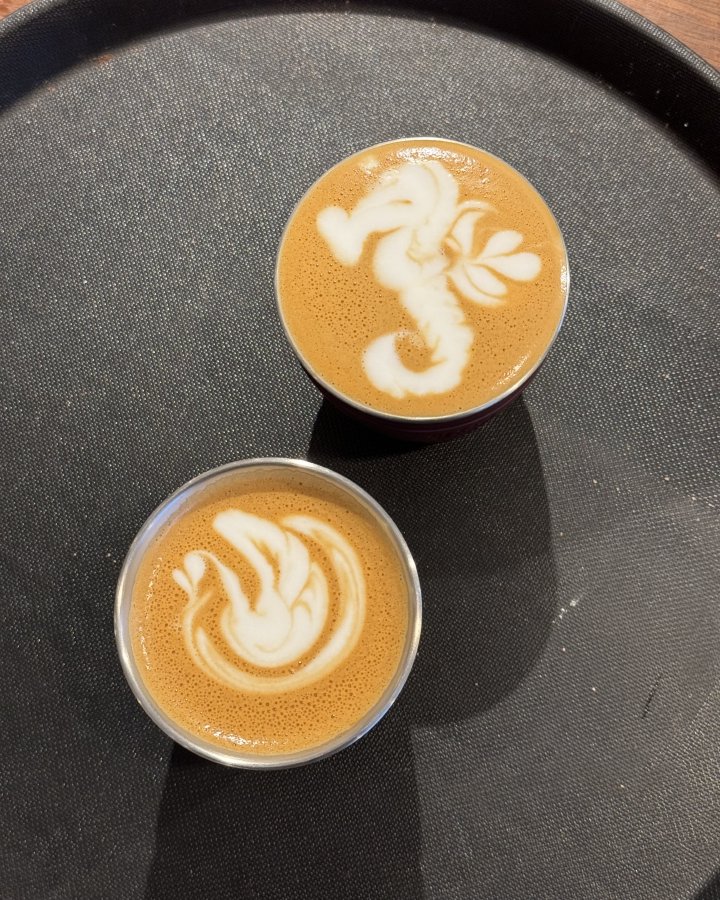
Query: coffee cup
[267,614]
[421,283]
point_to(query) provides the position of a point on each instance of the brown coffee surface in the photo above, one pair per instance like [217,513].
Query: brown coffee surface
[334,311]
[266,722]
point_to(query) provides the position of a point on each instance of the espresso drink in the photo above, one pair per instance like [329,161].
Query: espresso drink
[422,278]
[270,616]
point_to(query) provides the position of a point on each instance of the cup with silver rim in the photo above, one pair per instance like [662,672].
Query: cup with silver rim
[450,268]
[193,495]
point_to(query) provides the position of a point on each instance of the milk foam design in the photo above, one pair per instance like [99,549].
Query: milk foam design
[284,623]
[425,255]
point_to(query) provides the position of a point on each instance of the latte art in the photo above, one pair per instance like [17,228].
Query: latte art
[282,626]
[421,279]
[272,609]
[416,209]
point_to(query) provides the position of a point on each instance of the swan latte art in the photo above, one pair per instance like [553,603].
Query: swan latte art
[422,278]
[271,616]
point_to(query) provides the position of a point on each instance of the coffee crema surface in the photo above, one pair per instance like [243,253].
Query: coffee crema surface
[422,278]
[271,616]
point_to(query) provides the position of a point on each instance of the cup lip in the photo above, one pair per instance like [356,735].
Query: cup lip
[123,602]
[446,418]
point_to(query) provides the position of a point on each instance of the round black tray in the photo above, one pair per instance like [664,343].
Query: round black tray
[560,734]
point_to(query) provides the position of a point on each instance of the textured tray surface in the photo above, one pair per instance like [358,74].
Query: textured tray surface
[559,735]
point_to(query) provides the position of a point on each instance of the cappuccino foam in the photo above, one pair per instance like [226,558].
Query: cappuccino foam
[422,278]
[270,617]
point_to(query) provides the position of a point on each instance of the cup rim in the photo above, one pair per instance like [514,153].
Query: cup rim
[446,418]
[123,601]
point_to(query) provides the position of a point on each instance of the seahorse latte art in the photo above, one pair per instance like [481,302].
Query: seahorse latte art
[284,625]
[425,255]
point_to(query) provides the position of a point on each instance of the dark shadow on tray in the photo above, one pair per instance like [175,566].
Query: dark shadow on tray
[475,514]
[710,890]
[344,827]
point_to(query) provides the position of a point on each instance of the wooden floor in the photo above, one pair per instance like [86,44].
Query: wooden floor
[695,22]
